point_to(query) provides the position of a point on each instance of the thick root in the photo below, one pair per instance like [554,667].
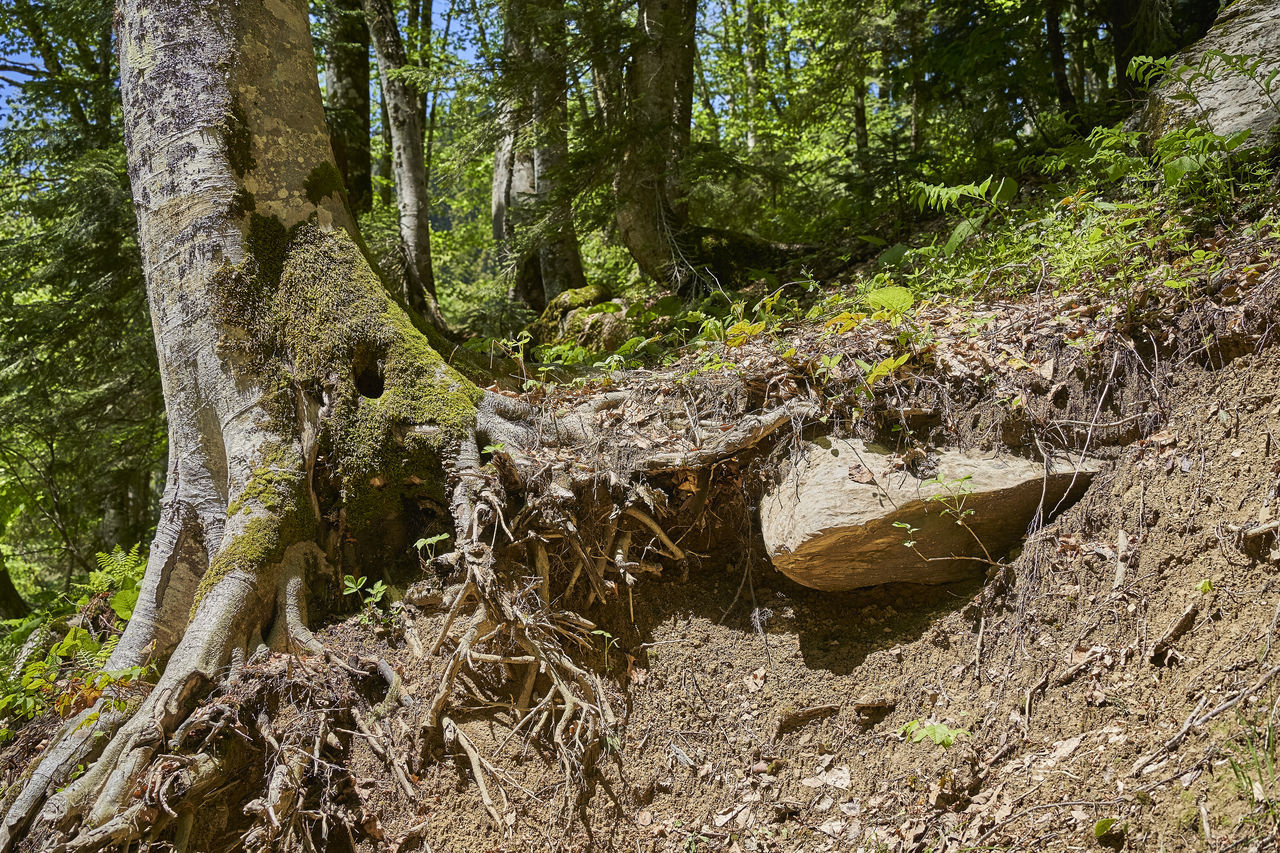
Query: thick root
[212,653]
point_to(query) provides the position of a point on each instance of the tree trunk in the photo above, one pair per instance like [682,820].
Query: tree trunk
[408,160]
[346,81]
[754,63]
[1122,21]
[558,255]
[532,154]
[1057,56]
[514,174]
[11,604]
[383,167]
[648,179]
[514,188]
[297,390]
[861,135]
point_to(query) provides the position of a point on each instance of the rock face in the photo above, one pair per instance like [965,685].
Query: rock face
[1231,100]
[829,522]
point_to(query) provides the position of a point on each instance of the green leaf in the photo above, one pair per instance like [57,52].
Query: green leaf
[893,255]
[123,603]
[894,299]
[1005,192]
[1237,139]
[1103,827]
[963,231]
[1176,170]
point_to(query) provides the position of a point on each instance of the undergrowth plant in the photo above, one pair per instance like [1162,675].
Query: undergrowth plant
[54,659]
[1251,755]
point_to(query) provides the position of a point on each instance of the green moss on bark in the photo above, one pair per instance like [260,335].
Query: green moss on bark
[308,311]
[279,503]
[546,329]
[241,203]
[324,180]
[239,141]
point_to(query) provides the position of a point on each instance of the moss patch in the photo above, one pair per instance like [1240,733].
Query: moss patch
[241,203]
[546,328]
[239,141]
[308,308]
[324,180]
[278,499]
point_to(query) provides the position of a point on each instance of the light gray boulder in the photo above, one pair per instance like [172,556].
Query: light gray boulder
[832,521]
[1229,95]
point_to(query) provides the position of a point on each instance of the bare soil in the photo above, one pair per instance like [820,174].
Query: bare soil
[1112,684]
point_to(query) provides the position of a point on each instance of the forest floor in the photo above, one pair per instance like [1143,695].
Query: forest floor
[1111,684]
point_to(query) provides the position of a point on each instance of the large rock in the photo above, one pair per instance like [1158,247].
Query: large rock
[1227,99]
[830,522]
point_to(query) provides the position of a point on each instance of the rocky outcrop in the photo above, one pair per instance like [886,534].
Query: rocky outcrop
[850,514]
[1230,93]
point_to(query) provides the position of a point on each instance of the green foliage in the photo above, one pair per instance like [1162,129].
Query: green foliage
[370,597]
[1252,757]
[119,572]
[55,657]
[939,734]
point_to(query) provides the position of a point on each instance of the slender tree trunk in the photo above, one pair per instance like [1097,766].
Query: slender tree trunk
[11,604]
[1077,73]
[346,76]
[514,189]
[408,160]
[1122,19]
[1057,55]
[861,135]
[274,339]
[515,178]
[558,254]
[532,154]
[647,185]
[383,168]
[753,67]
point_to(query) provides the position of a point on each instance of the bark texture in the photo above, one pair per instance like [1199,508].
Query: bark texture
[408,160]
[648,181]
[346,82]
[289,375]
[531,157]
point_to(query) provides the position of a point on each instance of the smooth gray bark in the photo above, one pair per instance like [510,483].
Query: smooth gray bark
[408,160]
[245,239]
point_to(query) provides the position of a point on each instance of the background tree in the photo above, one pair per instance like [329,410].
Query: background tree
[347,110]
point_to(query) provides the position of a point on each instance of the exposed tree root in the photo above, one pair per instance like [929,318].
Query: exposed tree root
[539,542]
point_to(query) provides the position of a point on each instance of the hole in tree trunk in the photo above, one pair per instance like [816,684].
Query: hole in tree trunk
[368,374]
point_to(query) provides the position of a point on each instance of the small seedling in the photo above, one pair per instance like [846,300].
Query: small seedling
[941,734]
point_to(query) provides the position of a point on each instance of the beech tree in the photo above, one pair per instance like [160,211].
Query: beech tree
[304,405]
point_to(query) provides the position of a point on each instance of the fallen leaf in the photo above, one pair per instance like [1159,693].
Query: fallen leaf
[860,474]
[1063,748]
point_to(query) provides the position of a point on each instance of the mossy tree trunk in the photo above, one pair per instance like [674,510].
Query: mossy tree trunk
[300,396]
